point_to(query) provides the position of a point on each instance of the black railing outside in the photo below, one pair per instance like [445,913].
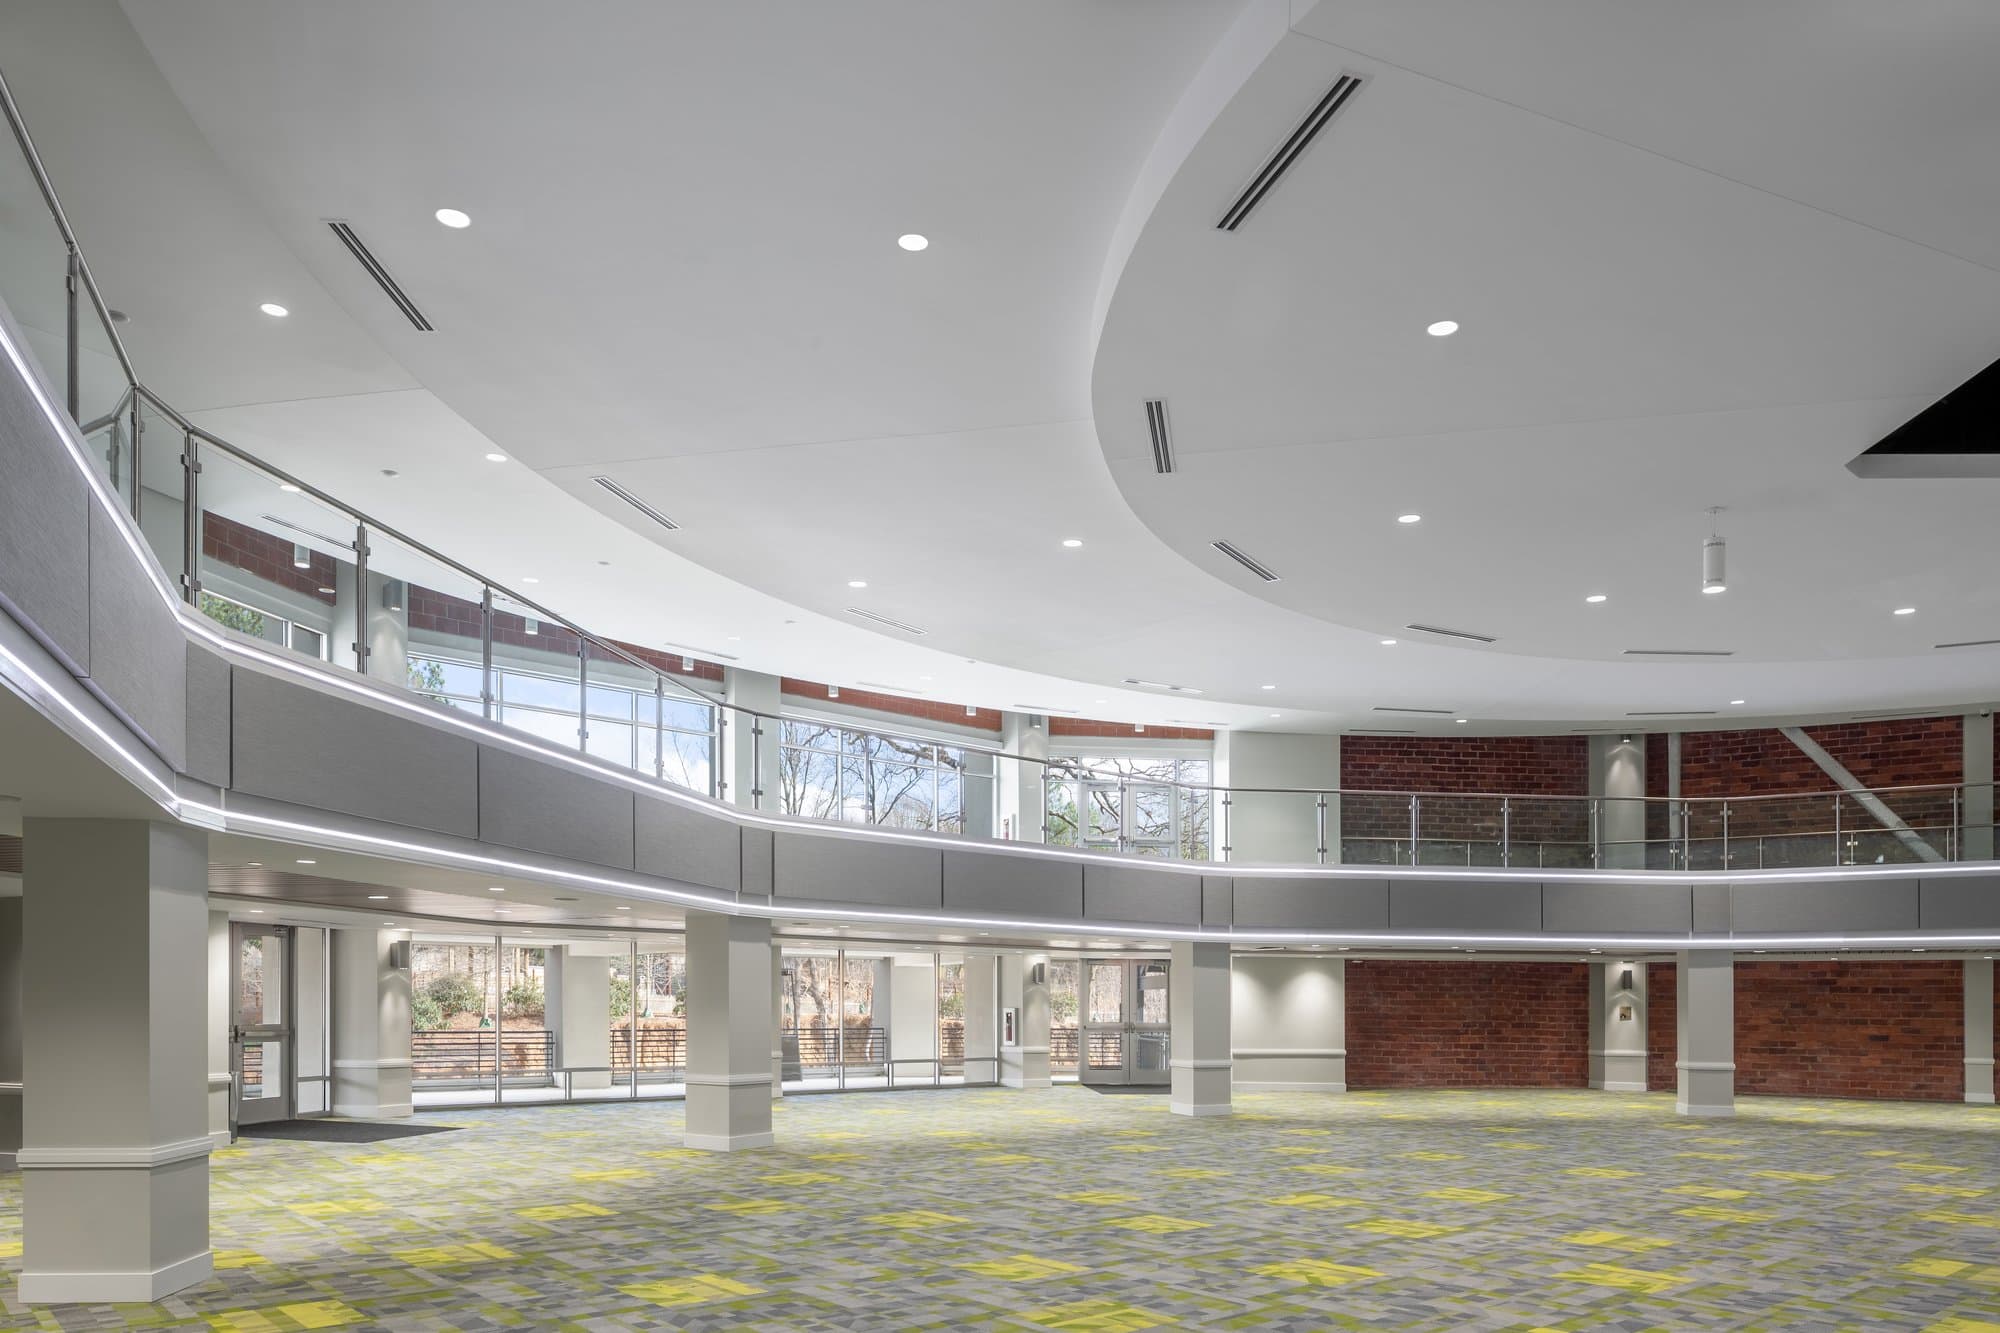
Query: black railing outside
[471,1057]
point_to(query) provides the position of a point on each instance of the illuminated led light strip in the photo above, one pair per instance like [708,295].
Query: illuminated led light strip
[193,623]
[337,839]
[138,767]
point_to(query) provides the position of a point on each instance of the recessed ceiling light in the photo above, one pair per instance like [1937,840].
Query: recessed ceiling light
[1072,542]
[306,862]
[1274,715]
[288,488]
[496,458]
[857,583]
[1262,687]
[1388,643]
[388,923]
[502,911]
[1595,597]
[1713,588]
[529,578]
[378,897]
[255,865]
[256,911]
[274,310]
[1906,610]
[624,909]
[1444,328]
[736,638]
[451,217]
[1461,720]
[1736,703]
[1409,518]
[913,242]
[495,888]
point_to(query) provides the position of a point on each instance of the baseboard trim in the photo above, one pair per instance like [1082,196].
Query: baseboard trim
[728,1142]
[218,1139]
[99,1288]
[1199,1108]
[1621,1085]
[1023,1081]
[1262,1086]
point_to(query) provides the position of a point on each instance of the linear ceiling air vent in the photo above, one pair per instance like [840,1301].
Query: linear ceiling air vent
[708,653]
[1430,712]
[1161,685]
[1465,634]
[1968,643]
[1163,443]
[903,690]
[367,260]
[637,503]
[885,620]
[1256,567]
[345,543]
[1680,652]
[1381,731]
[1677,712]
[1289,152]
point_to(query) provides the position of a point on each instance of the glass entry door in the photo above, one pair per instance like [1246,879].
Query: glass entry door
[1124,1021]
[260,1031]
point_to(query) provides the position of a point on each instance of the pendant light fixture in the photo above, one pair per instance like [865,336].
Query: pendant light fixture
[1714,557]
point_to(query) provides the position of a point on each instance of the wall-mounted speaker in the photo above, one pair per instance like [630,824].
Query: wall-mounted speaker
[1038,975]
[1625,979]
[399,955]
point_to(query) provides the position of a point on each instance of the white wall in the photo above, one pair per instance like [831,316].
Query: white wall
[1280,827]
[1288,1022]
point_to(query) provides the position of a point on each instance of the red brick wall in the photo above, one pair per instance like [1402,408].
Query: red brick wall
[1524,765]
[269,558]
[986,719]
[1890,753]
[1084,726]
[1467,1025]
[1893,1029]
[1661,1029]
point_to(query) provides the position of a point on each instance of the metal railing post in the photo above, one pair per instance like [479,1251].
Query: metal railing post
[74,336]
[1224,825]
[487,699]
[660,729]
[361,601]
[1725,835]
[1124,811]
[1320,802]
[756,762]
[1957,809]
[1838,857]
[582,693]
[191,519]
[1506,832]
[138,430]
[1416,805]
[718,772]
[1596,836]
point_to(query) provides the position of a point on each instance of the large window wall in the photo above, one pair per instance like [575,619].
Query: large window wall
[876,1018]
[835,772]
[1140,805]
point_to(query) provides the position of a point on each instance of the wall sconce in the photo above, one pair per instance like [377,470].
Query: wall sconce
[1038,975]
[833,691]
[302,556]
[534,625]
[1625,979]
[687,663]
[392,595]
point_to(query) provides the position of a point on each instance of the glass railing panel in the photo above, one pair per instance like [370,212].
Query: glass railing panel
[425,624]
[275,564]
[1375,828]
[1705,834]
[1931,818]
[33,267]
[537,680]
[1460,830]
[620,709]
[1270,827]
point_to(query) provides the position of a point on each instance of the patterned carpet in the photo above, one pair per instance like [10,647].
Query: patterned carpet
[1064,1210]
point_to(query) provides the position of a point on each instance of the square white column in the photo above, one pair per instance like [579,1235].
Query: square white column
[1198,1020]
[370,983]
[1024,988]
[1705,997]
[1618,1026]
[10,1031]
[114,1167]
[1979,1030]
[220,1077]
[777,1020]
[982,1022]
[729,1031]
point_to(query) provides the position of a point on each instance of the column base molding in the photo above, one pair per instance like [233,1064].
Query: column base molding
[1686,1108]
[98,1288]
[145,1158]
[1023,1081]
[1199,1108]
[1979,1098]
[1198,1064]
[725,1080]
[1621,1085]
[728,1142]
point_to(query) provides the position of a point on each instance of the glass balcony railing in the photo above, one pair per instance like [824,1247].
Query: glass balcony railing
[268,556]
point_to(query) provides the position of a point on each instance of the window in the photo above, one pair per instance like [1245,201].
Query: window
[266,625]
[627,726]
[1143,805]
[860,777]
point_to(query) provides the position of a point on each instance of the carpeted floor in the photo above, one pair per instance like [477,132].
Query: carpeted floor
[1060,1209]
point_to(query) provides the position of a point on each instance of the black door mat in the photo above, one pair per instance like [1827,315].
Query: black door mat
[1156,1089]
[339,1131]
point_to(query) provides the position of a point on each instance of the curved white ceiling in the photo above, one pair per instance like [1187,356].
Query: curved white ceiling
[682,272]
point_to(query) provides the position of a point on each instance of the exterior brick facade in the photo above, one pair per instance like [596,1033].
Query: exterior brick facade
[930,710]
[1467,1025]
[1891,1028]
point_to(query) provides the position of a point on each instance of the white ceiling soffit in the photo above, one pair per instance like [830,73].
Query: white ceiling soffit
[681,273]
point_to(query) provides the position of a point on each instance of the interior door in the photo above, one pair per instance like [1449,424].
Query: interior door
[260,1033]
[1125,1029]
[1102,1010]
